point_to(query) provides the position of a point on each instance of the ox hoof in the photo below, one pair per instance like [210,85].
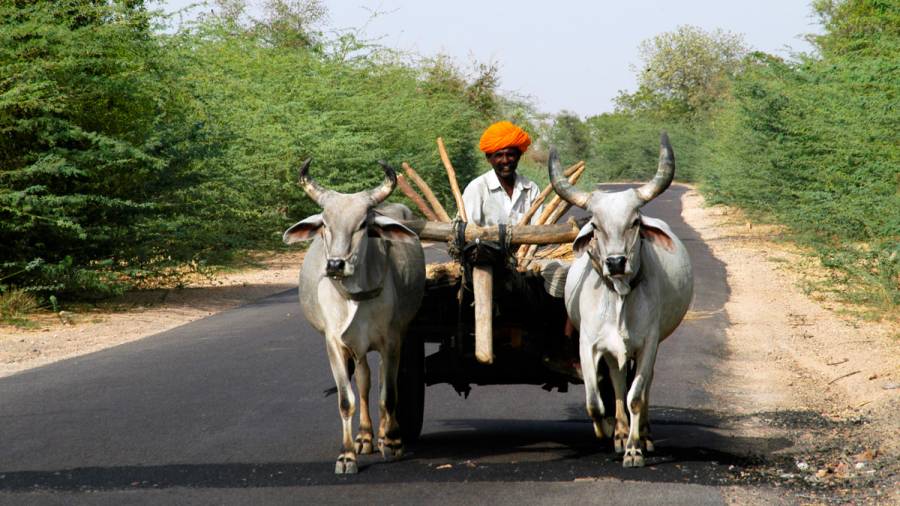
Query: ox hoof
[647,443]
[390,448]
[364,445]
[633,458]
[345,465]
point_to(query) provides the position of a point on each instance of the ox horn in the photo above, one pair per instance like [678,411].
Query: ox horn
[566,190]
[664,173]
[387,186]
[310,186]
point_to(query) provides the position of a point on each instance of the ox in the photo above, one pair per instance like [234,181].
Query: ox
[361,283]
[628,293]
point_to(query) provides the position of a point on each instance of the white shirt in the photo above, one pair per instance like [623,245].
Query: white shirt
[488,204]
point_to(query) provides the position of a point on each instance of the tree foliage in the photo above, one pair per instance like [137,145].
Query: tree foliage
[91,125]
[684,72]
[127,152]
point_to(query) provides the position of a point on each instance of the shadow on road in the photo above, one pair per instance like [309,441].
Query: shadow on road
[689,449]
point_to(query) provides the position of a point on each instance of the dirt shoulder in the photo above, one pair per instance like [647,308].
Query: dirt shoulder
[797,368]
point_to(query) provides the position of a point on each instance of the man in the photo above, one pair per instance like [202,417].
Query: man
[501,195]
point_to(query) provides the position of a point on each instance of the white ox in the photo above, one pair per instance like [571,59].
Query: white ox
[628,293]
[361,283]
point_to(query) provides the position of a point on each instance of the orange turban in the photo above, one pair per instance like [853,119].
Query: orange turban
[502,135]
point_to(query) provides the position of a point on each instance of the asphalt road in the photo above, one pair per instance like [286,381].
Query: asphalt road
[231,410]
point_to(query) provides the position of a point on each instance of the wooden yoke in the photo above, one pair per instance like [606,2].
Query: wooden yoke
[558,233]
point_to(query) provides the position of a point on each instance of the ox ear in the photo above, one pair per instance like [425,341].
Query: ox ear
[584,238]
[657,232]
[304,230]
[391,230]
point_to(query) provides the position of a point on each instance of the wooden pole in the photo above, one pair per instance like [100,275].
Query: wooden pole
[526,218]
[415,197]
[483,286]
[451,175]
[426,190]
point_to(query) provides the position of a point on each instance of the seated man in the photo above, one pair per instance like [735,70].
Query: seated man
[501,196]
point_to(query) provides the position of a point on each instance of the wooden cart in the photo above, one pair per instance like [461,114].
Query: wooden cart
[490,315]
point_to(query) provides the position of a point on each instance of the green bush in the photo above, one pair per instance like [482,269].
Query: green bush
[269,108]
[88,111]
[813,145]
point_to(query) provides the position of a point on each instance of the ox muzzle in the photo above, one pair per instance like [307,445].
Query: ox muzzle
[334,267]
[616,265]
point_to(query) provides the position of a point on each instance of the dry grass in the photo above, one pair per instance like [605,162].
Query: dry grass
[16,305]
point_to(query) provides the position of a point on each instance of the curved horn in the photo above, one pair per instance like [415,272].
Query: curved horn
[387,186]
[566,190]
[310,186]
[664,173]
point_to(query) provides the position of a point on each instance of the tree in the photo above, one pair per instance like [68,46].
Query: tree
[571,136]
[861,27]
[684,72]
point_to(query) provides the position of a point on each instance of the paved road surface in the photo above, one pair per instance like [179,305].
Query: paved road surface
[230,410]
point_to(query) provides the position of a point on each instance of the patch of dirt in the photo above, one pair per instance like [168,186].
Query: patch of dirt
[142,313]
[798,368]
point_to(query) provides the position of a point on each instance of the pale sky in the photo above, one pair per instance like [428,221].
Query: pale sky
[564,55]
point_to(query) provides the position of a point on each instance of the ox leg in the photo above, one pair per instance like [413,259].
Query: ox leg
[363,384]
[618,376]
[389,440]
[592,400]
[637,397]
[644,429]
[339,356]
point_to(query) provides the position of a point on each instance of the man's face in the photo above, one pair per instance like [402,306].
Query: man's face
[505,162]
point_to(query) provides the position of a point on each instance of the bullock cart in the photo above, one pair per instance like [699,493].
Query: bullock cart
[493,314]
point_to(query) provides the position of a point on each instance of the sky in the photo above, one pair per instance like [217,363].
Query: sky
[563,55]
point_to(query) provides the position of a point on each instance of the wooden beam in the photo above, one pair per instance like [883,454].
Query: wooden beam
[483,287]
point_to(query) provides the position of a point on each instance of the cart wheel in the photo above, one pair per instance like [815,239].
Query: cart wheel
[411,388]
